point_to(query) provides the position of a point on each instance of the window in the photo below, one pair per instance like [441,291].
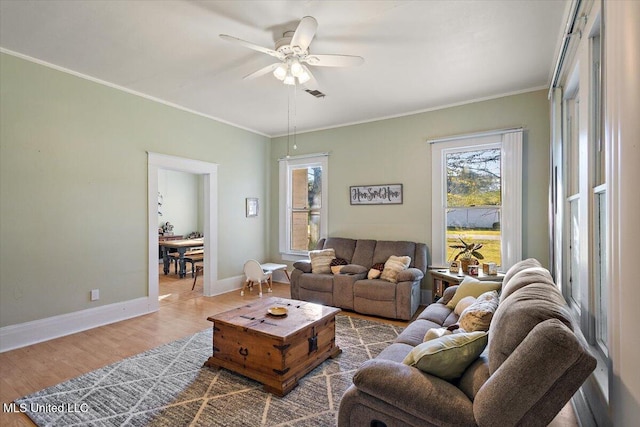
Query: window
[477,195]
[303,203]
[580,209]
[572,135]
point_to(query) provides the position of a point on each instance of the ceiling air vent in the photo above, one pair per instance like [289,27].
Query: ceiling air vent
[315,93]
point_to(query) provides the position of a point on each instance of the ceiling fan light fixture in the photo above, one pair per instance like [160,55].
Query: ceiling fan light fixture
[280,72]
[289,79]
[304,77]
[296,68]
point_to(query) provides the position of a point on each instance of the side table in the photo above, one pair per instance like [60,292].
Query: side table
[443,278]
[270,267]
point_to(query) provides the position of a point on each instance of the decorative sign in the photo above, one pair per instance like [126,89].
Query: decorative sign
[386,194]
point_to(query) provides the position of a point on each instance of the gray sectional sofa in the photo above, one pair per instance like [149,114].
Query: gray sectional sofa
[352,290]
[531,367]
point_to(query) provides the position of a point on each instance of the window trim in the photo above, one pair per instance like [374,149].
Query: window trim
[510,142]
[287,164]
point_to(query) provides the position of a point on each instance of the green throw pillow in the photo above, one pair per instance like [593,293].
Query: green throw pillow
[449,356]
[472,287]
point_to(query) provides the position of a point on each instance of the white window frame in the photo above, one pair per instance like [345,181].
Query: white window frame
[287,164]
[510,143]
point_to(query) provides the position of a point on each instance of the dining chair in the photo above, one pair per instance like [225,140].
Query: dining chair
[254,274]
[199,268]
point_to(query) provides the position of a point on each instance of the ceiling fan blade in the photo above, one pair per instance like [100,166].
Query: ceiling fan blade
[334,60]
[262,71]
[251,46]
[304,34]
[312,83]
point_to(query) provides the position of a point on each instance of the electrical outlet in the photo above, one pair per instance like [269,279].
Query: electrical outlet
[95,294]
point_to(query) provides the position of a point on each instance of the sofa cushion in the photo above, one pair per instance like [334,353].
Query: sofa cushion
[393,266]
[375,289]
[472,287]
[519,314]
[448,294]
[409,275]
[409,393]
[317,282]
[477,317]
[449,356]
[525,277]
[451,319]
[395,352]
[343,247]
[436,313]
[414,333]
[321,260]
[475,376]
[551,364]
[353,269]
[519,266]
[384,249]
[304,266]
[363,254]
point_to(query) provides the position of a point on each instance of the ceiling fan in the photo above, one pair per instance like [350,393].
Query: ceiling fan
[292,50]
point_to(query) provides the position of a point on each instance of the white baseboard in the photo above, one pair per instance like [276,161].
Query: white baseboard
[24,334]
[227,285]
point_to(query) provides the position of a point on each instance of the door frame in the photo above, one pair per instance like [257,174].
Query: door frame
[209,172]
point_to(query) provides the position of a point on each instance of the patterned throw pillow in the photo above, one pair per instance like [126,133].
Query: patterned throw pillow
[321,260]
[375,271]
[477,317]
[337,264]
[393,266]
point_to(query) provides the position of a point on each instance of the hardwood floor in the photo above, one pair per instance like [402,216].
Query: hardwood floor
[182,313]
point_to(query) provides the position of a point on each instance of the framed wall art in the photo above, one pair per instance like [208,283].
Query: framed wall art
[383,194]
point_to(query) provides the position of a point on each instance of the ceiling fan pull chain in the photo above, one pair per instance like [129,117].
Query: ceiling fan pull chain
[288,119]
[295,115]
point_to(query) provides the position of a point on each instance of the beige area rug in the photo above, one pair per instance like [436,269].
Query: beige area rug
[168,386]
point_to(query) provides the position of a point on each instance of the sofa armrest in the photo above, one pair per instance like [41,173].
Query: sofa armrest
[353,269]
[415,392]
[551,364]
[304,266]
[410,275]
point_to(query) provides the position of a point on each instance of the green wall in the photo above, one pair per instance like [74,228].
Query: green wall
[73,189]
[395,151]
[73,183]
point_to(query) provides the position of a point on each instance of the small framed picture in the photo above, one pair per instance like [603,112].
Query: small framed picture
[252,207]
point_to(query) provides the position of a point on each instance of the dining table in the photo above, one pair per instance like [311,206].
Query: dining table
[181,246]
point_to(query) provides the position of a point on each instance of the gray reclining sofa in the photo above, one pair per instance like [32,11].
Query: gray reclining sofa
[351,290]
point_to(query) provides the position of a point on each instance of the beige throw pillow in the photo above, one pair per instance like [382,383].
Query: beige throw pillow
[393,266]
[463,304]
[477,317]
[321,260]
[434,333]
[374,273]
[472,287]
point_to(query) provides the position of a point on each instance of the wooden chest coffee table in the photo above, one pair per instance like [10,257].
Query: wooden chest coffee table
[274,350]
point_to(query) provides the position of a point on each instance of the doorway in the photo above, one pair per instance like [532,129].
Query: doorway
[209,173]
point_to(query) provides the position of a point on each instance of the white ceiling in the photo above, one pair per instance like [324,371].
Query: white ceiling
[419,55]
